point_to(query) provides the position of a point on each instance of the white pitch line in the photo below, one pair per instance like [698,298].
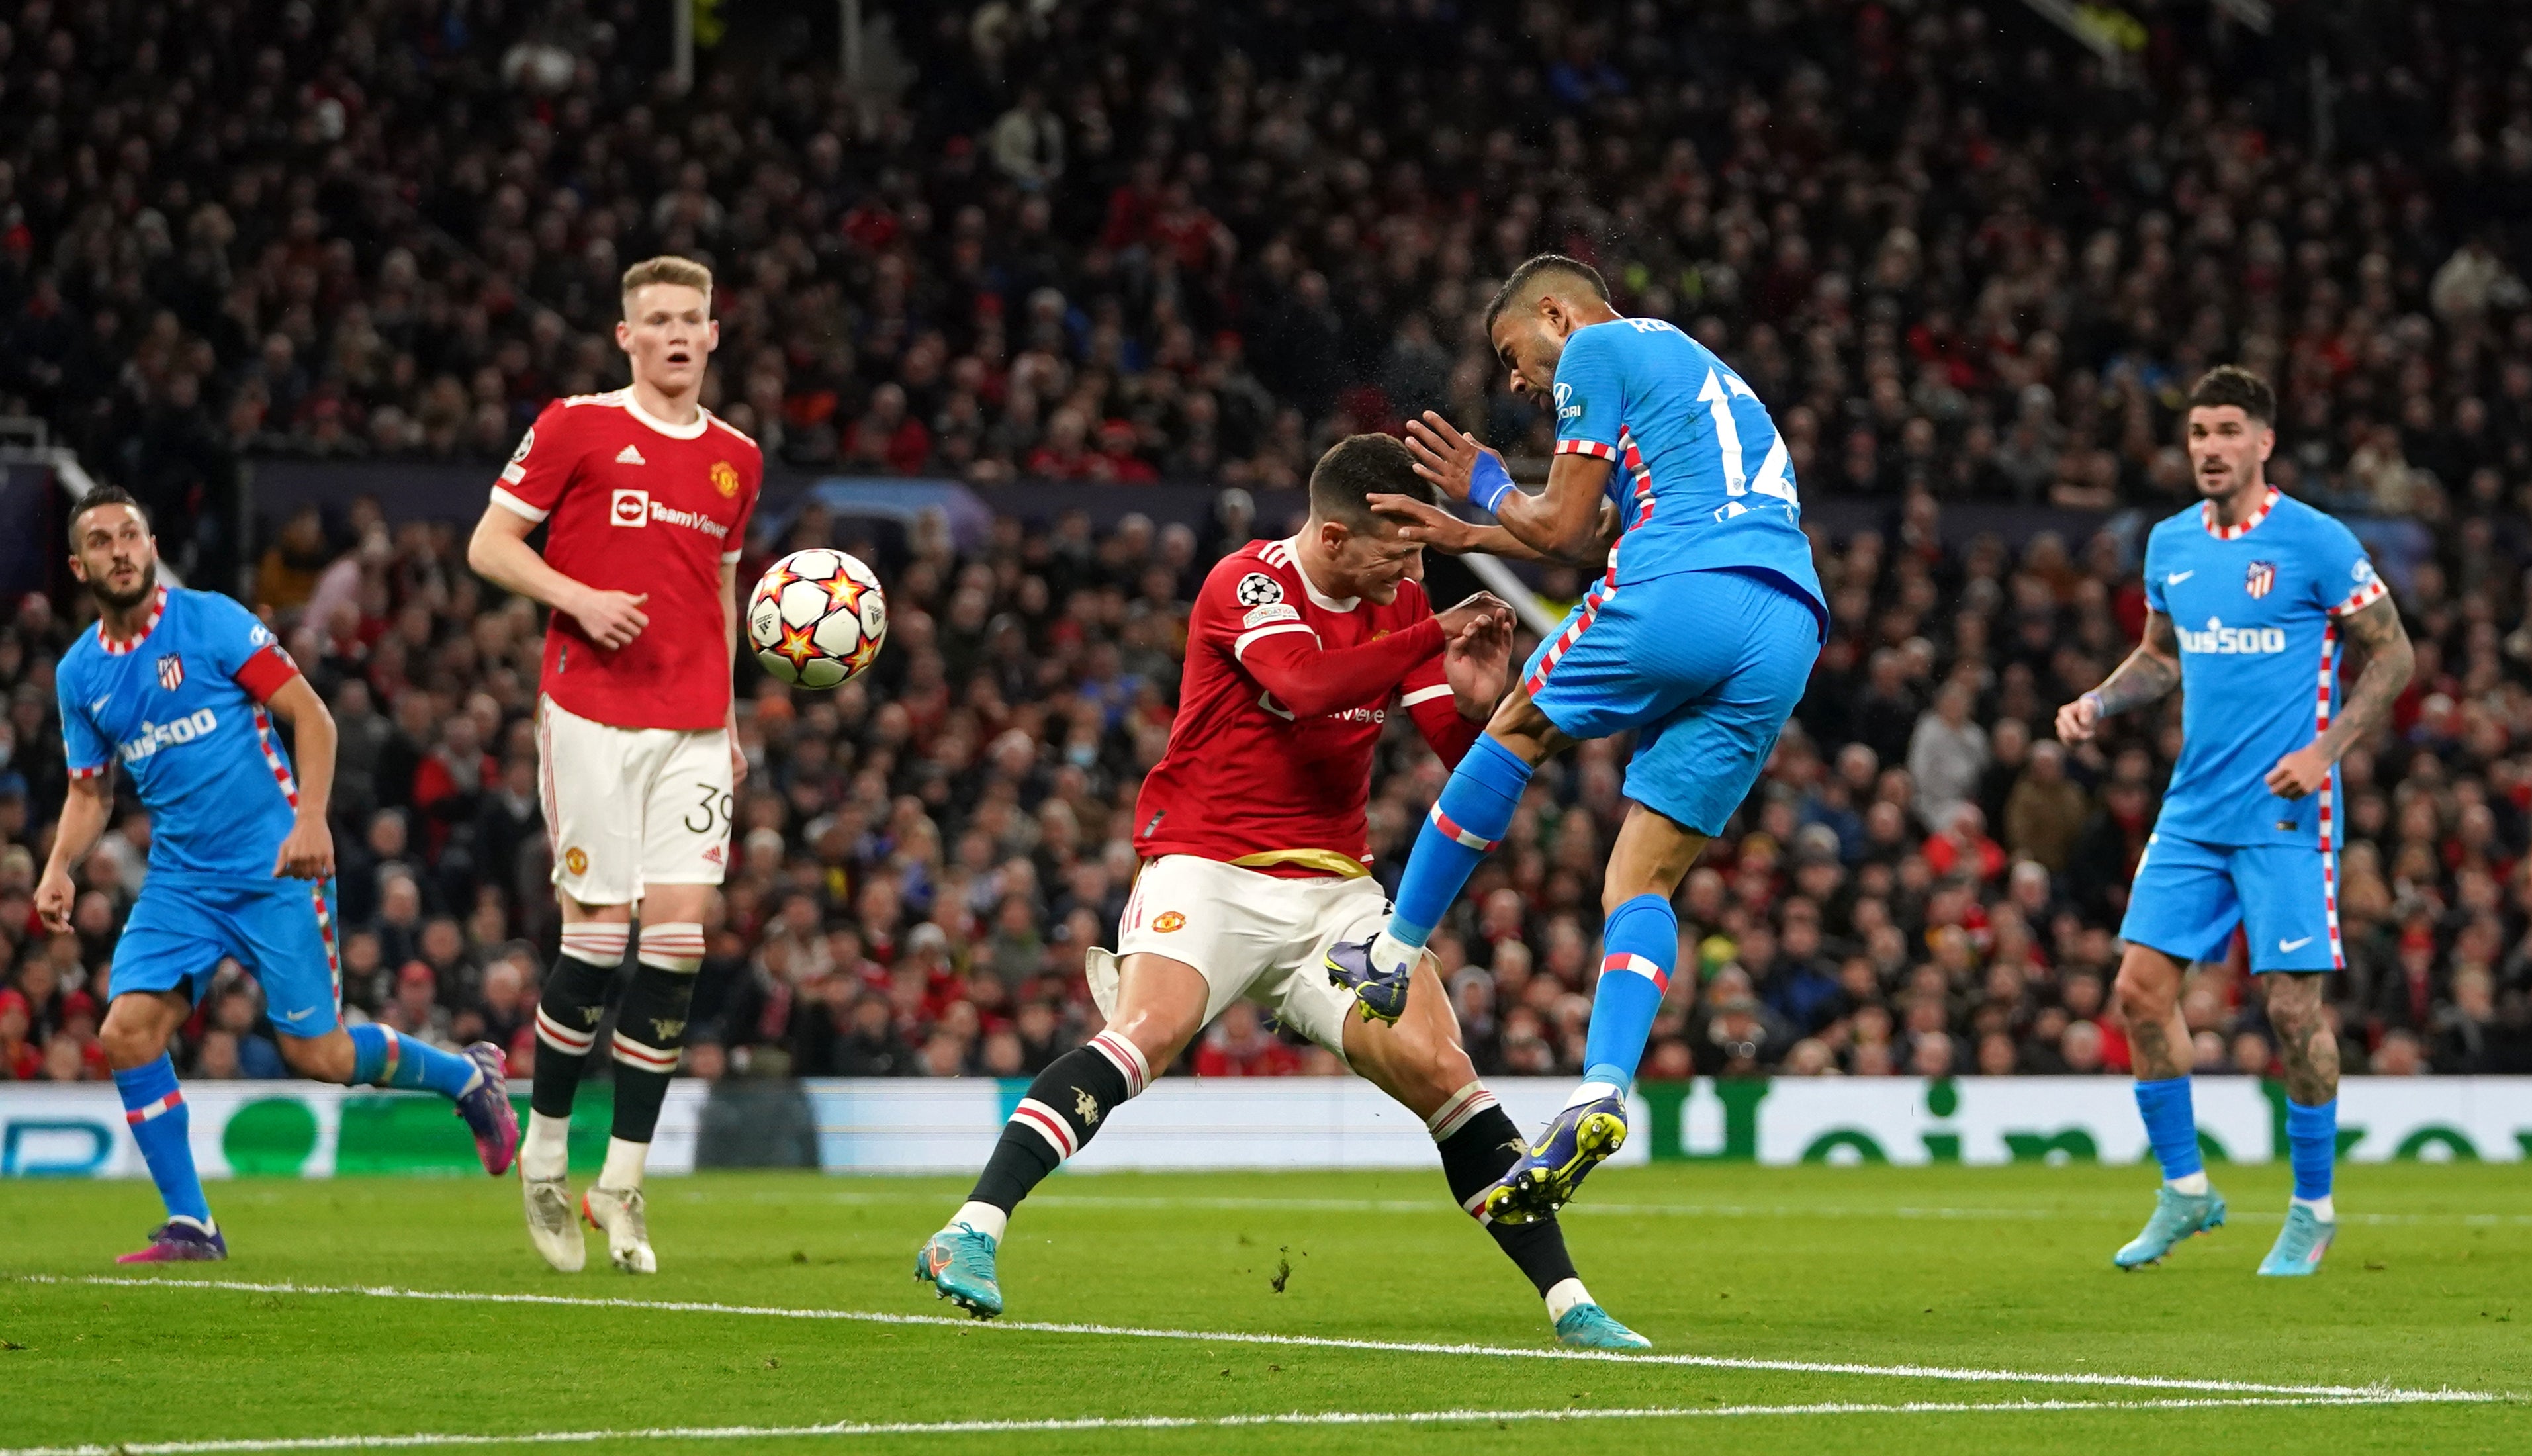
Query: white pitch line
[1245,1337]
[1631,1210]
[1187,1423]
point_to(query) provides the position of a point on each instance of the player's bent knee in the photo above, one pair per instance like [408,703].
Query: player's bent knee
[326,1058]
[1159,1006]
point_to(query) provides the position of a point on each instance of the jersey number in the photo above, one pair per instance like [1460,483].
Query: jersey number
[714,809]
[1738,481]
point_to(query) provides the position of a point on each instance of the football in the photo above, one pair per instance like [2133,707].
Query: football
[817,618]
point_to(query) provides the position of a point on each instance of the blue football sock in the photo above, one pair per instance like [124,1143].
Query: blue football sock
[162,1126]
[383,1057]
[2172,1126]
[1474,810]
[2312,1146]
[1638,946]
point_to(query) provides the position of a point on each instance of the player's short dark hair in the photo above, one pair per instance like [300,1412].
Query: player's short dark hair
[1543,265]
[2231,383]
[104,496]
[1357,468]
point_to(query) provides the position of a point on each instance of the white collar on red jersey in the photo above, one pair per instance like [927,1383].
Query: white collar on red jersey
[633,407]
[158,609]
[1319,598]
[2206,518]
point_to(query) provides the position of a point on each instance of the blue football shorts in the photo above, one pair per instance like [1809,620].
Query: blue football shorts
[2187,897]
[283,931]
[1707,665]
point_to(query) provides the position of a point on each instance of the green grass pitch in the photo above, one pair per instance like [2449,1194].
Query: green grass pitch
[1999,1271]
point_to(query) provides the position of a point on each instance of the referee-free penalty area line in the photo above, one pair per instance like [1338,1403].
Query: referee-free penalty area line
[1184,1422]
[1249,1337]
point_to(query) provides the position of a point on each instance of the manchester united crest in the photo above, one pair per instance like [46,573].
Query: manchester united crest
[1167,922]
[724,479]
[576,860]
[2260,579]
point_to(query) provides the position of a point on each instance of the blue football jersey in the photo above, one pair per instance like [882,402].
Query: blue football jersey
[2256,610]
[1704,481]
[180,709]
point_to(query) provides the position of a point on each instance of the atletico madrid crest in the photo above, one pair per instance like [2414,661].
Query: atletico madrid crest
[171,672]
[2262,576]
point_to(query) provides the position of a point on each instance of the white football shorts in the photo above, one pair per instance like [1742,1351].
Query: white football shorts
[630,807]
[1251,935]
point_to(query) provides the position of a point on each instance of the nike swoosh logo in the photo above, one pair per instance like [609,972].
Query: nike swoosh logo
[298,1016]
[99,705]
[2294,945]
[2175,578]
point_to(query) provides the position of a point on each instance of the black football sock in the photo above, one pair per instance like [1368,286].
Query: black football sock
[568,1017]
[1478,1144]
[1062,1112]
[650,1029]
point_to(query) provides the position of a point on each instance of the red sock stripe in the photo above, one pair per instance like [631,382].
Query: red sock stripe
[643,1057]
[1041,1119]
[1643,965]
[1463,1105]
[1466,837]
[1126,1057]
[597,942]
[151,1111]
[388,1068]
[560,1037]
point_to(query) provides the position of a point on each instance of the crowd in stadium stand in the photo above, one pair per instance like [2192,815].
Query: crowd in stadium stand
[1120,242]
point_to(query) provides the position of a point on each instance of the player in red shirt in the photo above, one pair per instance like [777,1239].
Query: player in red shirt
[645,497]
[1251,829]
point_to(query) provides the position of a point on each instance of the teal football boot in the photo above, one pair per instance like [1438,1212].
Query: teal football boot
[959,1262]
[1589,1327]
[2176,1216]
[2300,1244]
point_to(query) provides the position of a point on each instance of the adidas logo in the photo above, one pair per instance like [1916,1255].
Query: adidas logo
[629,457]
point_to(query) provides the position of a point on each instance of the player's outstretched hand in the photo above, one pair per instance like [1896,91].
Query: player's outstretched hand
[308,853]
[54,896]
[1423,522]
[2077,719]
[2302,772]
[1477,665]
[1444,455]
[612,618]
[1481,607]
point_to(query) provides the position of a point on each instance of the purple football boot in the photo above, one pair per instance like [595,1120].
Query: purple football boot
[179,1240]
[487,1111]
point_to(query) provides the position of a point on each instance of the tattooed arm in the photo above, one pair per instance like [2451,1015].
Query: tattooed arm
[2388,662]
[2150,674]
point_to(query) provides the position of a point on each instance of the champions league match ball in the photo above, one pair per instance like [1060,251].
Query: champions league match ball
[817,618]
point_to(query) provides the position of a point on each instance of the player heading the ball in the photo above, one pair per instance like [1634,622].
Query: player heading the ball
[645,497]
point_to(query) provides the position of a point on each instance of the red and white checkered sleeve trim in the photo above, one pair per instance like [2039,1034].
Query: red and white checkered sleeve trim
[90,771]
[1587,447]
[2363,596]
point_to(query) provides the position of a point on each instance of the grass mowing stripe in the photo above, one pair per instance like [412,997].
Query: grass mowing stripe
[1239,1337]
[1186,1422]
[1642,1210]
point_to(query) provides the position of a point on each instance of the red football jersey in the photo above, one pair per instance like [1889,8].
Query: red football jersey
[1280,708]
[634,503]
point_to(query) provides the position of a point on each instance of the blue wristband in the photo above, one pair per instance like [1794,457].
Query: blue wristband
[1490,483]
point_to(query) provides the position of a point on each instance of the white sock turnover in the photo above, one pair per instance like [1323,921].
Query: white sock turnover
[2324,1207]
[1564,1295]
[546,1151]
[984,1218]
[624,1164]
